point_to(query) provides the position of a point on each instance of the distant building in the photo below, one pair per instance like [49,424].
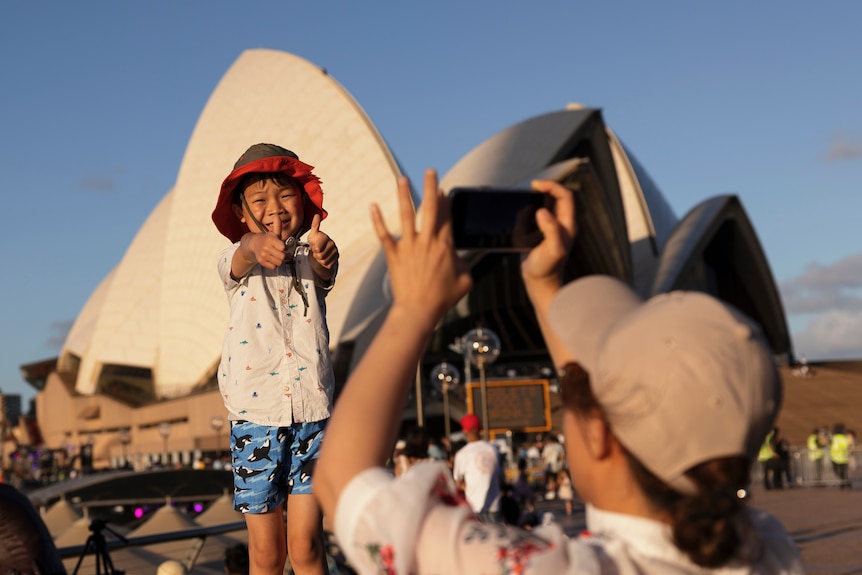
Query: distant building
[10,407]
[144,350]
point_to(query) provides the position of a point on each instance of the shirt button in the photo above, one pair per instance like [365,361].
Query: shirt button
[288,341]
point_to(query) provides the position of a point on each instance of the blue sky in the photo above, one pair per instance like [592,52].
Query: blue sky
[759,99]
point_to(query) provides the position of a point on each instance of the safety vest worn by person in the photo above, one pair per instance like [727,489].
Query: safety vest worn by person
[815,450]
[839,449]
[766,450]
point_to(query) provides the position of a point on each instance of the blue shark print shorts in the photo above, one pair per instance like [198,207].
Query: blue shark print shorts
[270,463]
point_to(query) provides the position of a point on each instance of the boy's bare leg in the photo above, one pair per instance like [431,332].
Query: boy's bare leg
[305,535]
[267,547]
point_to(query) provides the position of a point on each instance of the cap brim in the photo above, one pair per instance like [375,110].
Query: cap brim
[583,312]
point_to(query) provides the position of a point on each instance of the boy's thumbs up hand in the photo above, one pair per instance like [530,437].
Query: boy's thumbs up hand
[268,248]
[276,227]
[323,249]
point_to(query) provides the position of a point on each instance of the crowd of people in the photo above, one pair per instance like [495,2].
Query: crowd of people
[500,481]
[829,458]
[838,446]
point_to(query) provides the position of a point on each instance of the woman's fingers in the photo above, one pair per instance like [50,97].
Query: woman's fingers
[430,203]
[406,209]
[382,231]
[564,203]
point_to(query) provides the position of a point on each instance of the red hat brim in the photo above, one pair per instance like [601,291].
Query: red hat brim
[223,215]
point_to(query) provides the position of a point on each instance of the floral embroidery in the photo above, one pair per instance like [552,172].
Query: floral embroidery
[441,491]
[514,548]
[384,557]
[515,558]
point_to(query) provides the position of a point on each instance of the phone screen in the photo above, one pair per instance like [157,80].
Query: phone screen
[496,219]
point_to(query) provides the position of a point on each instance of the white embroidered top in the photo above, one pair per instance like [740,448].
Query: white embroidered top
[417,524]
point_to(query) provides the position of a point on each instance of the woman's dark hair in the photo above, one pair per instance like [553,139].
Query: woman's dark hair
[707,526]
[416,443]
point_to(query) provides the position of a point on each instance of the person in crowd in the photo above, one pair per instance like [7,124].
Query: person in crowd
[26,545]
[477,471]
[236,559]
[770,462]
[816,444]
[171,567]
[785,465]
[510,509]
[437,449]
[276,376]
[660,449]
[522,489]
[529,517]
[553,460]
[413,449]
[839,453]
[534,452]
[550,486]
[565,491]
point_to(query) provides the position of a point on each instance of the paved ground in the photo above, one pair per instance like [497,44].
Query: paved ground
[825,522]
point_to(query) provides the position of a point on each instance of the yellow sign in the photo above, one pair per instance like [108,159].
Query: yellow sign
[516,405]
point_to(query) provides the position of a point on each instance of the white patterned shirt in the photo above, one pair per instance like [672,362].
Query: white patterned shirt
[417,524]
[275,368]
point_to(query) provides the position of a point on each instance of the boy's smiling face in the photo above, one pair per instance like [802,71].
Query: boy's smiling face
[269,200]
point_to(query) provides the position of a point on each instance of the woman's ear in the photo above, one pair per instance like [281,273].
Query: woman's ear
[598,435]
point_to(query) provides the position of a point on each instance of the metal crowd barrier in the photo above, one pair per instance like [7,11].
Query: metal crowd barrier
[803,471]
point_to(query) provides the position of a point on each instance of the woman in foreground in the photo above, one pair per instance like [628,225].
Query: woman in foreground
[666,403]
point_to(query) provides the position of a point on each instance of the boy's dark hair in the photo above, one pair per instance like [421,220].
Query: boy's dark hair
[236,559]
[266,159]
[249,179]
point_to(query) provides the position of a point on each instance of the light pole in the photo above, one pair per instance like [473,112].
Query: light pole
[417,389]
[482,347]
[217,423]
[445,376]
[165,432]
[125,437]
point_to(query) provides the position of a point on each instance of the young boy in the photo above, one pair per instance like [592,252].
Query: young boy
[275,374]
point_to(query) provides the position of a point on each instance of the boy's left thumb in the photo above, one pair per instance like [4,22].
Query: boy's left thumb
[315,223]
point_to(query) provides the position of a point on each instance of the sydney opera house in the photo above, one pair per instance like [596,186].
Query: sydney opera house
[136,378]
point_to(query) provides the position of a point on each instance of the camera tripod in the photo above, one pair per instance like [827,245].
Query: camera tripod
[96,544]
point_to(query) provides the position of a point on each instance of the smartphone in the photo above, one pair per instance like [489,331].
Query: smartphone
[496,219]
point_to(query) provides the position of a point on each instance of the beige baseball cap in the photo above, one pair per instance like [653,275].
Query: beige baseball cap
[683,378]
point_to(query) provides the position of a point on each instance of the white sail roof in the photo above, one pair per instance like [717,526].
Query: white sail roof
[163,307]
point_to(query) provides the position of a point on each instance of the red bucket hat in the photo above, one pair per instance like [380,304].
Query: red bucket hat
[266,158]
